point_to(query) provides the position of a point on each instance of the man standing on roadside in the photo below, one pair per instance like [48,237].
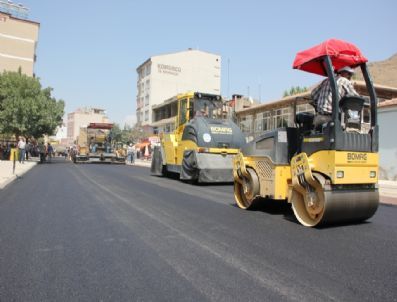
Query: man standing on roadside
[130,154]
[42,152]
[22,149]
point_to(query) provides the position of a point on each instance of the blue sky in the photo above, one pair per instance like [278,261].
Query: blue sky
[88,51]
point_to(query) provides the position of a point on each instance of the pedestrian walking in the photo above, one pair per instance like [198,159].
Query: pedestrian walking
[50,152]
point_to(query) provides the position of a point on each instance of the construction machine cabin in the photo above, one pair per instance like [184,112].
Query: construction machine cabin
[197,141]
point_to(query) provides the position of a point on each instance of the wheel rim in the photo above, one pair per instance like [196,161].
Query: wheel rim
[246,189]
[309,210]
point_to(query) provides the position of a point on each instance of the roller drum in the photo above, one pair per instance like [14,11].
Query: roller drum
[349,206]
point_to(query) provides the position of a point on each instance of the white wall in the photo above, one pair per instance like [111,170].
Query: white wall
[190,70]
[82,119]
[387,119]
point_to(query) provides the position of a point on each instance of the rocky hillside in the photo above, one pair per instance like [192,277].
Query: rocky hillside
[383,72]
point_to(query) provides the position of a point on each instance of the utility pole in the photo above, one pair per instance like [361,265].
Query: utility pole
[228,78]
[260,93]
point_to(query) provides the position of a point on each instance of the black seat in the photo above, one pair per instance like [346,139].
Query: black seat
[350,111]
[304,120]
[355,103]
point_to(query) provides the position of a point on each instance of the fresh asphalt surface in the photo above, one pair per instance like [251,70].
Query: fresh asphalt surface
[114,233]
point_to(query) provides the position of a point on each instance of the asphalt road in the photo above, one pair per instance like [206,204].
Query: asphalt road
[115,233]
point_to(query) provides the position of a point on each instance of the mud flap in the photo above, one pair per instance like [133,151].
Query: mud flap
[207,167]
[156,167]
[189,169]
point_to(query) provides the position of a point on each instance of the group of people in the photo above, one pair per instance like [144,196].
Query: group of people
[44,151]
[134,152]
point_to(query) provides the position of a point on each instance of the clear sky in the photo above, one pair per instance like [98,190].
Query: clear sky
[88,51]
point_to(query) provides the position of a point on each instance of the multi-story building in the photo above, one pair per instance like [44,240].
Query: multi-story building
[18,39]
[161,77]
[81,118]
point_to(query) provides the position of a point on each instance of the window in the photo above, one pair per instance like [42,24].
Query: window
[246,124]
[138,87]
[280,118]
[146,100]
[263,122]
[141,73]
[182,112]
[147,86]
[304,108]
[148,69]
[169,128]
[146,115]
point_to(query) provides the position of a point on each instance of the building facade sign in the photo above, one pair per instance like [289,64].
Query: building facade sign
[169,69]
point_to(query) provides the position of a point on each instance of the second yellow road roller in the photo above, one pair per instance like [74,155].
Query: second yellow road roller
[328,171]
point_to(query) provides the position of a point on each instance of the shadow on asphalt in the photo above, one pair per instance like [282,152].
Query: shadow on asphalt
[284,209]
[343,224]
[273,207]
[206,184]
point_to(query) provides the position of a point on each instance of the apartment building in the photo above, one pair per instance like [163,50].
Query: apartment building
[81,118]
[163,76]
[18,39]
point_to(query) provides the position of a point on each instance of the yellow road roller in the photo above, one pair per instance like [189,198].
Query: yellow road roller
[328,171]
[202,145]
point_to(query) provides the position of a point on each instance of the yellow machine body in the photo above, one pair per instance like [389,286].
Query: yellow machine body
[324,164]
[206,155]
[335,174]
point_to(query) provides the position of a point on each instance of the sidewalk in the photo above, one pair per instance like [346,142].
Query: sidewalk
[141,163]
[6,170]
[388,191]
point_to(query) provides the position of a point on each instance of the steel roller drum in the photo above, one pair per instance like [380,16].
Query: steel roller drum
[349,206]
[337,206]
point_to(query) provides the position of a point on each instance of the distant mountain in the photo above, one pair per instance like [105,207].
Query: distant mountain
[383,72]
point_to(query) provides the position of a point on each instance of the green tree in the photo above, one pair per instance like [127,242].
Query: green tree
[117,133]
[294,90]
[138,132]
[26,108]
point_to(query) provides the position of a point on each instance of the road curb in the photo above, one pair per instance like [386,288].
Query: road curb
[6,182]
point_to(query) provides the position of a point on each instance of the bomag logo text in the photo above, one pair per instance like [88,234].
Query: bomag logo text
[221,130]
[356,157]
